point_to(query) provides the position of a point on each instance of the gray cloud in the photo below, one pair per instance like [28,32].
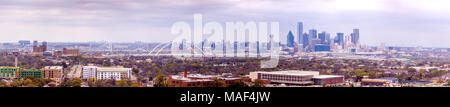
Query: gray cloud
[396,22]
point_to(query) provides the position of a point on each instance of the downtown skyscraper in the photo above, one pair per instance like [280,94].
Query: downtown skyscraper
[290,39]
[339,39]
[355,36]
[312,36]
[300,38]
[300,32]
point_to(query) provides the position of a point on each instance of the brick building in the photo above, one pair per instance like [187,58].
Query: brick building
[53,73]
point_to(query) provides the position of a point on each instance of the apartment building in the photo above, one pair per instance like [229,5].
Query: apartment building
[100,73]
[89,72]
[53,72]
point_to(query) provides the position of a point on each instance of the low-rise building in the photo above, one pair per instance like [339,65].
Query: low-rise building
[9,72]
[297,77]
[35,73]
[89,72]
[374,82]
[70,52]
[286,77]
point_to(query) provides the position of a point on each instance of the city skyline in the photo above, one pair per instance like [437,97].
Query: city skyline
[395,23]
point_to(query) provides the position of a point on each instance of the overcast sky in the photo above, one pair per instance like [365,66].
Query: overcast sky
[394,22]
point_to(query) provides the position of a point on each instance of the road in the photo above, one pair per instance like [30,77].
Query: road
[75,71]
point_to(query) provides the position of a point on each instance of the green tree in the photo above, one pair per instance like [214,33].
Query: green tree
[76,82]
[31,85]
[100,83]
[161,81]
[372,74]
[259,83]
[134,85]
[157,70]
[412,70]
[28,82]
[135,70]
[360,73]
[238,83]
[2,83]
[17,83]
[122,83]
[218,83]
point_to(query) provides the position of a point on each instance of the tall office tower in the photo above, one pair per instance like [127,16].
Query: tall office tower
[355,36]
[313,33]
[224,48]
[311,36]
[257,49]
[247,48]
[269,43]
[213,46]
[339,38]
[300,32]
[192,48]
[347,42]
[305,40]
[351,38]
[183,43]
[203,45]
[290,39]
[332,46]
[235,45]
[315,41]
[322,37]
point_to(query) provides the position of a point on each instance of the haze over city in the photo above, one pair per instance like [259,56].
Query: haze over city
[396,23]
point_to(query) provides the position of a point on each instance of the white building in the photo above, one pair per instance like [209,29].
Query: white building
[89,72]
[286,77]
[297,77]
[99,73]
[117,73]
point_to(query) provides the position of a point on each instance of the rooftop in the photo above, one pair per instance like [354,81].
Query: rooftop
[292,72]
[327,76]
[8,67]
[53,67]
[199,77]
[112,69]
[374,80]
